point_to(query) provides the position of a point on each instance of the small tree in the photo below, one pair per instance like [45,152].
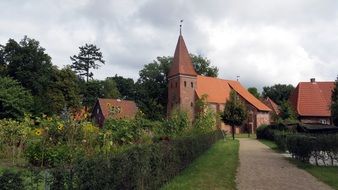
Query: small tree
[234,113]
[86,59]
[334,105]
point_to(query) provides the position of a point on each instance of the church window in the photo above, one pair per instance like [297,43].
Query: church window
[185,83]
[171,84]
[191,104]
[176,84]
[192,85]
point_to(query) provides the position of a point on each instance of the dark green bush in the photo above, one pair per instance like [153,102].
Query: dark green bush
[11,180]
[265,132]
[301,146]
[144,166]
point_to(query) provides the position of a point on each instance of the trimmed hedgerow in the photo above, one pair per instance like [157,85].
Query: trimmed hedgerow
[144,166]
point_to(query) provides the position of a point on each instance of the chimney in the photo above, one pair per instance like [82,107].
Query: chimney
[313,80]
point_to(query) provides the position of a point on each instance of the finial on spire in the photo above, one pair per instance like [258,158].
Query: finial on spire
[238,77]
[181,21]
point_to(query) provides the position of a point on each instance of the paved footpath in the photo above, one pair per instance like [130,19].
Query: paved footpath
[261,168]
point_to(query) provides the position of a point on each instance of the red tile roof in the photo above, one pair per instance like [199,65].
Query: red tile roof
[312,98]
[272,105]
[128,108]
[218,91]
[182,62]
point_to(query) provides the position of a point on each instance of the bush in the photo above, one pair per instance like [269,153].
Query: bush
[301,146]
[144,166]
[265,132]
[11,180]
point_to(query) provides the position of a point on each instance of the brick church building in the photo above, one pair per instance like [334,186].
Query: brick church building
[185,87]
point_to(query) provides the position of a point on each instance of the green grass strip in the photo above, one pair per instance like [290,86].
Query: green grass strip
[215,169]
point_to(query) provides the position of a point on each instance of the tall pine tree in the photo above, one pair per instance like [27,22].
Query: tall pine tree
[87,59]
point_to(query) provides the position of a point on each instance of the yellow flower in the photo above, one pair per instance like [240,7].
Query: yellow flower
[60,126]
[38,132]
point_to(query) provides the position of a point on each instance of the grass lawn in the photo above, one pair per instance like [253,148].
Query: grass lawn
[215,169]
[326,174]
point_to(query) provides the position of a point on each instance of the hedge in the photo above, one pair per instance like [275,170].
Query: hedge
[302,146]
[140,167]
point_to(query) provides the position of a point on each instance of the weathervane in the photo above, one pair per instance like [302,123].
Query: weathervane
[238,77]
[181,21]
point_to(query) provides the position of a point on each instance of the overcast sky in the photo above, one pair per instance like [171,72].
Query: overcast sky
[263,41]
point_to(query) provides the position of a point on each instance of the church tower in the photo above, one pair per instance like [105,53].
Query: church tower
[182,83]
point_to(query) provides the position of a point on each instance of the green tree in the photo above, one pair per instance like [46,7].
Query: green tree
[125,86]
[92,90]
[63,92]
[3,66]
[234,113]
[15,101]
[206,117]
[87,59]
[203,67]
[287,113]
[151,88]
[109,89]
[28,63]
[278,92]
[254,91]
[334,105]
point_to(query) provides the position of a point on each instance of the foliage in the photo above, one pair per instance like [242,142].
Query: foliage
[144,166]
[278,92]
[13,136]
[110,89]
[334,105]
[52,89]
[152,89]
[206,118]
[14,99]
[254,91]
[28,63]
[125,86]
[177,124]
[11,180]
[202,66]
[234,113]
[87,59]
[123,131]
[287,113]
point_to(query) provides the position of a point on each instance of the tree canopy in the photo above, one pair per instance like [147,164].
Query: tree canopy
[87,59]
[254,91]
[15,101]
[234,113]
[125,86]
[278,92]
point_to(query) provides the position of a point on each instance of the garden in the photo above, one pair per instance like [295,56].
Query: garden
[64,152]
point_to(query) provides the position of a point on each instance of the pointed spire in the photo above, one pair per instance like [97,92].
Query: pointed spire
[182,63]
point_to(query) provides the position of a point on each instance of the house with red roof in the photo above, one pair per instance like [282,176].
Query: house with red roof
[275,110]
[185,87]
[115,108]
[312,100]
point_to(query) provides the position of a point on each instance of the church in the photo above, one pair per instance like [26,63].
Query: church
[185,87]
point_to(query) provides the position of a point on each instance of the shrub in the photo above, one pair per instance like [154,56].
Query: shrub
[177,124]
[11,180]
[143,166]
[264,132]
[301,146]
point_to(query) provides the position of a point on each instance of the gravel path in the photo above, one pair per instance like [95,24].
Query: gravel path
[261,168]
